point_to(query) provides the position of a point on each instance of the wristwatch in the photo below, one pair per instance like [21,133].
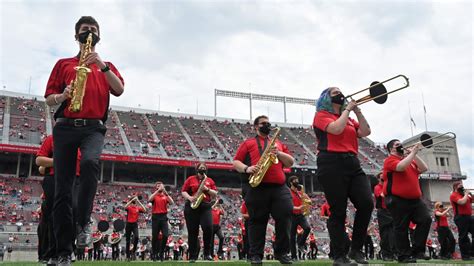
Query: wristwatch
[105,69]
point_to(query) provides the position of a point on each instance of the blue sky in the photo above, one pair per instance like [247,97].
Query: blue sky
[173,54]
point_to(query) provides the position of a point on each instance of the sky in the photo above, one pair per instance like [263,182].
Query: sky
[173,54]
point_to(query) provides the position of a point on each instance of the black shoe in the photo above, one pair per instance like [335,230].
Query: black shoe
[64,261]
[422,256]
[256,260]
[408,259]
[358,257]
[284,259]
[208,258]
[445,258]
[343,261]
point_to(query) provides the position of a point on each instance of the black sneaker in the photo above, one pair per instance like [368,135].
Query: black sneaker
[64,261]
[343,261]
[422,256]
[408,259]
[284,259]
[256,260]
[83,236]
[358,256]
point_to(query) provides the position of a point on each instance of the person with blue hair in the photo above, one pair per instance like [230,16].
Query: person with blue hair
[340,173]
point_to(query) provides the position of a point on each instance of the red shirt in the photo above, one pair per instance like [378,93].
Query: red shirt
[378,190]
[441,221]
[191,185]
[115,235]
[344,142]
[325,210]
[132,213]
[46,150]
[216,215]
[412,225]
[96,98]
[296,201]
[249,154]
[243,208]
[403,184]
[312,239]
[160,204]
[459,209]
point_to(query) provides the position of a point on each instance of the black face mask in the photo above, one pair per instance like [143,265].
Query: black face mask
[461,190]
[82,37]
[338,99]
[265,128]
[399,149]
[202,171]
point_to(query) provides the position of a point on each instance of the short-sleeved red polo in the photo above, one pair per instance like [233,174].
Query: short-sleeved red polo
[160,204]
[403,184]
[459,209]
[344,142]
[191,185]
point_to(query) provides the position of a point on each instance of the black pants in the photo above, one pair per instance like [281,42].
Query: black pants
[129,229]
[97,250]
[387,237]
[313,250]
[403,211]
[246,239]
[298,219]
[159,223]
[342,178]
[43,237]
[201,216]
[115,251]
[446,241]
[67,139]
[369,247]
[216,230]
[262,201]
[465,224]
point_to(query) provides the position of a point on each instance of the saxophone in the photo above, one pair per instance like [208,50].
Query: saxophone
[266,160]
[78,86]
[199,194]
[305,201]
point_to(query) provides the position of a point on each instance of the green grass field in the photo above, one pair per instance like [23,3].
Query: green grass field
[313,262]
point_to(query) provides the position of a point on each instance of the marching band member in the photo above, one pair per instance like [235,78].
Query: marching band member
[96,242]
[385,221]
[298,218]
[461,202]
[134,207]
[160,201]
[192,188]
[403,199]
[271,196]
[445,236]
[79,128]
[115,239]
[340,173]
[217,212]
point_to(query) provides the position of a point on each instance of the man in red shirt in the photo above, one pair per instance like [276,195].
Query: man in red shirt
[244,223]
[445,236]
[217,212]
[461,201]
[44,159]
[160,201]
[313,247]
[385,221]
[134,207]
[82,129]
[297,219]
[272,196]
[403,199]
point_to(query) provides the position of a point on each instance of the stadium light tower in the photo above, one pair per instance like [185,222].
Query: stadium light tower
[261,97]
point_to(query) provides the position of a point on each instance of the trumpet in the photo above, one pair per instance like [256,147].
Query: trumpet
[378,92]
[427,141]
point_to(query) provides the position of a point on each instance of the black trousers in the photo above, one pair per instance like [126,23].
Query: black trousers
[387,237]
[43,237]
[342,178]
[465,224]
[369,247]
[446,241]
[159,223]
[298,219]
[262,201]
[129,229]
[201,216]
[313,250]
[97,250]
[115,251]
[403,211]
[67,139]
[216,230]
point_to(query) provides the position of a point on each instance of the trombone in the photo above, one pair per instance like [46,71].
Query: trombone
[427,141]
[378,92]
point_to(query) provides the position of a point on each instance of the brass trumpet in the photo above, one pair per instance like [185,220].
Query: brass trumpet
[427,141]
[378,92]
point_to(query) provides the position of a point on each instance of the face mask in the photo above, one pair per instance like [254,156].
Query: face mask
[265,128]
[338,99]
[295,184]
[461,190]
[399,149]
[202,171]
[82,37]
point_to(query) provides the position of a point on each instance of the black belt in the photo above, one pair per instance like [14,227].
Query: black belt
[79,122]
[340,154]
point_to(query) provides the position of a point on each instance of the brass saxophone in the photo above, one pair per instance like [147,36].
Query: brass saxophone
[78,86]
[199,194]
[266,160]
[305,202]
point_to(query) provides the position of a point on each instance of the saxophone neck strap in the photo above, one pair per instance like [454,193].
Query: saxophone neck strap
[265,142]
